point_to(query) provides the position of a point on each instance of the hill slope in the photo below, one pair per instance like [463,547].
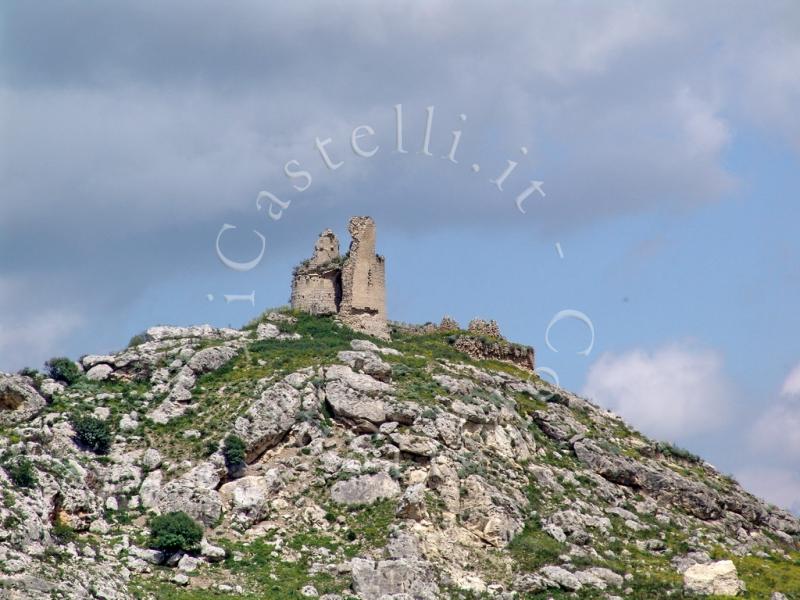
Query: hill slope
[367,469]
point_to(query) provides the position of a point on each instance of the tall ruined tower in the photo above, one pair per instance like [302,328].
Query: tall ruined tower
[363,305]
[354,287]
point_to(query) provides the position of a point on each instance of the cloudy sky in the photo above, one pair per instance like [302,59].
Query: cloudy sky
[666,135]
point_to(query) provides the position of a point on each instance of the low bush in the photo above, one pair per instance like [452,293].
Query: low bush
[138,339]
[21,472]
[92,433]
[175,531]
[63,369]
[235,453]
[668,449]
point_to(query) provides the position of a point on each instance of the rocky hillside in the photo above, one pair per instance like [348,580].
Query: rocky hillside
[298,459]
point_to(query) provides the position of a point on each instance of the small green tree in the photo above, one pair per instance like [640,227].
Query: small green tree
[175,531]
[235,453]
[21,472]
[92,433]
[63,369]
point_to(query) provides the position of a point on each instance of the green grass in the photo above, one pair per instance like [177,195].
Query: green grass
[261,572]
[532,548]
[766,575]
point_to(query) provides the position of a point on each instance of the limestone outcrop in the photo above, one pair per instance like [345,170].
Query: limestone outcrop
[391,471]
[353,287]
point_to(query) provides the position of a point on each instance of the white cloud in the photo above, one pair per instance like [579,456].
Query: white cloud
[776,485]
[672,392]
[777,431]
[791,386]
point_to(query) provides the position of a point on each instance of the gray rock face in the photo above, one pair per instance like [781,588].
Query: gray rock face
[697,499]
[375,580]
[558,422]
[354,406]
[367,362]
[365,489]
[193,493]
[247,499]
[168,332]
[19,400]
[211,359]
[487,512]
[268,419]
[211,552]
[267,331]
[417,445]
[151,459]
[554,577]
[412,504]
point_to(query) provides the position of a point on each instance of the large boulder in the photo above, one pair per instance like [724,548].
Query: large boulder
[417,445]
[375,580]
[365,489]
[193,493]
[268,419]
[211,359]
[19,400]
[367,362]
[99,372]
[358,381]
[247,499]
[714,579]
[355,407]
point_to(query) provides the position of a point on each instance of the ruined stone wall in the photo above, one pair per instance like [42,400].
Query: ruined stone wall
[363,306]
[496,349]
[353,288]
[317,285]
[317,292]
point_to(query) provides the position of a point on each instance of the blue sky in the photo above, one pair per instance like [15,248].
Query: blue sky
[666,135]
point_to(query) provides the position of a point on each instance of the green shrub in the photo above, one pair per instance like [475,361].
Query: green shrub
[62,532]
[210,447]
[21,472]
[235,453]
[175,531]
[668,449]
[63,369]
[136,340]
[92,433]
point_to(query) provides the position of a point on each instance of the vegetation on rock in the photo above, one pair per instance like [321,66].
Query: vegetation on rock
[63,369]
[92,433]
[175,531]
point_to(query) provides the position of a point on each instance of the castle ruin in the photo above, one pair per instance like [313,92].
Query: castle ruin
[352,287]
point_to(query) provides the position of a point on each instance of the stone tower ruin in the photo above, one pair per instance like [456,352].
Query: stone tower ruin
[353,286]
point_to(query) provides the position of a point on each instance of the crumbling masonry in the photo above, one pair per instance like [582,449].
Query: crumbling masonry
[353,286]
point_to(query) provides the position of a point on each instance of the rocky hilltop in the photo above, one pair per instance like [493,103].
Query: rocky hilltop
[299,458]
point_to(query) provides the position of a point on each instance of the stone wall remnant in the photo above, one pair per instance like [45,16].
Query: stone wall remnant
[352,287]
